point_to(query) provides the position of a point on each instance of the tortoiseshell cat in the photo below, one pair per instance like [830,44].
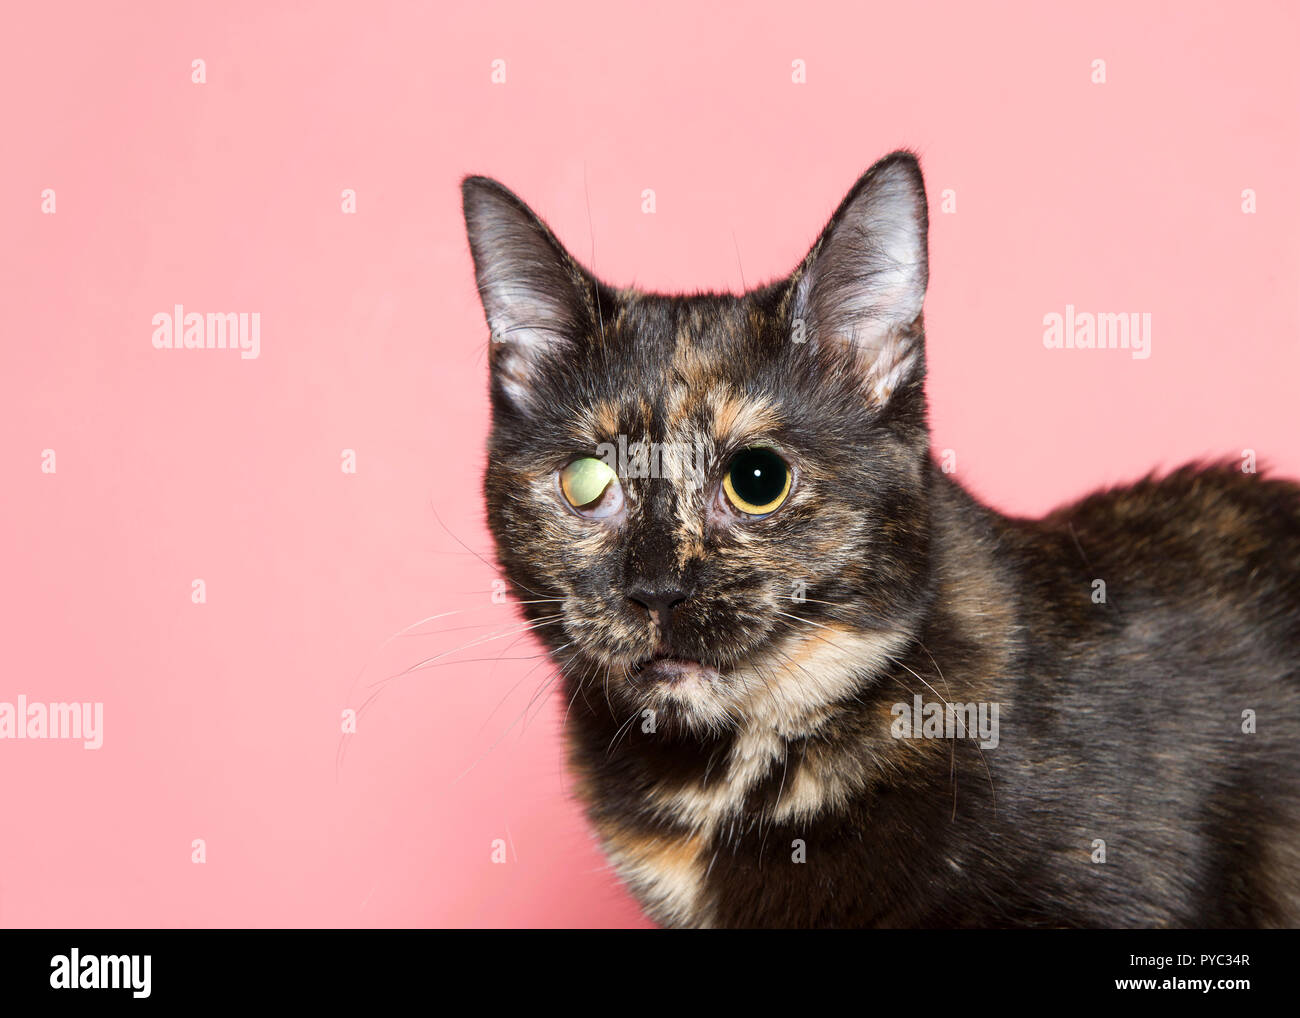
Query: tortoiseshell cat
[759,640]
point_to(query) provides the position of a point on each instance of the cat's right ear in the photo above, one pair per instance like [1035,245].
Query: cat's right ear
[534,294]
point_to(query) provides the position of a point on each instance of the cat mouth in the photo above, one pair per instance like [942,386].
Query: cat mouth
[663,668]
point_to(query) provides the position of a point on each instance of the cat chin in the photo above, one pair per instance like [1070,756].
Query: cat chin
[676,674]
[686,695]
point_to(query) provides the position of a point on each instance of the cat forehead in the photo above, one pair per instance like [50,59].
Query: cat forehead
[696,392]
[714,411]
[682,370]
[701,330]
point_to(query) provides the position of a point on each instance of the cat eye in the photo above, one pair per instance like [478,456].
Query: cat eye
[757,481]
[591,487]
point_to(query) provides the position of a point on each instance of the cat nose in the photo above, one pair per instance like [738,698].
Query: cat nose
[658,600]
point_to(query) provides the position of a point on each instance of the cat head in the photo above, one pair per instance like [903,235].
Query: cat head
[687,493]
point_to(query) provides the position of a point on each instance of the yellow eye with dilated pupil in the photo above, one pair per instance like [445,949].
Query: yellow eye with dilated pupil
[584,480]
[757,481]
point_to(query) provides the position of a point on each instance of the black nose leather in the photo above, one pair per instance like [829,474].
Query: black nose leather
[659,600]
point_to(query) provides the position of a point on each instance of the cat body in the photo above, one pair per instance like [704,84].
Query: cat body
[871,700]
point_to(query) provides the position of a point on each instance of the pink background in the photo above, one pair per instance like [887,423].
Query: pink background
[222,719]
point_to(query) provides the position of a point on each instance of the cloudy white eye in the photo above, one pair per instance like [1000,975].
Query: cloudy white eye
[757,481]
[591,487]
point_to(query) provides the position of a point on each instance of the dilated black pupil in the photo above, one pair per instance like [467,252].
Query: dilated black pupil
[758,476]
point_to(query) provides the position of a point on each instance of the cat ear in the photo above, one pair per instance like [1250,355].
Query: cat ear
[863,283]
[531,288]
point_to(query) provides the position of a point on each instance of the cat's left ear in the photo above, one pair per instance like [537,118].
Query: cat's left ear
[536,297]
[863,283]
